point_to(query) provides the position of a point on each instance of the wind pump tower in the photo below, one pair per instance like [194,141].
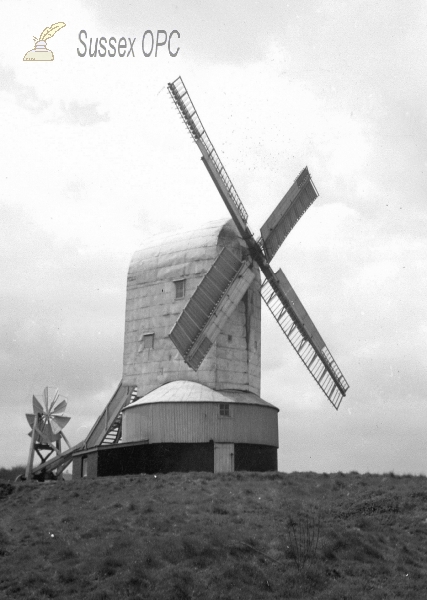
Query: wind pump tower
[190,394]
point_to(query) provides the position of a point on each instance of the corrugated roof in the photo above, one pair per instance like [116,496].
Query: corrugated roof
[190,391]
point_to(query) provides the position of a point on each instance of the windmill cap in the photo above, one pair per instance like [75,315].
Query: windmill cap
[163,250]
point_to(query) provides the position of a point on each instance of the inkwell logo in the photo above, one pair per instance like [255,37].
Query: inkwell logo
[40,52]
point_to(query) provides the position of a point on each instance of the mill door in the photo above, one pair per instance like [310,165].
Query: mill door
[223,458]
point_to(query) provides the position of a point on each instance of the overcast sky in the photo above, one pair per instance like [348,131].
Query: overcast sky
[94,158]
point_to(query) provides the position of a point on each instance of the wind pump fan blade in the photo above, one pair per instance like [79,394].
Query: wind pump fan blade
[59,408]
[58,422]
[47,434]
[30,419]
[37,406]
[50,396]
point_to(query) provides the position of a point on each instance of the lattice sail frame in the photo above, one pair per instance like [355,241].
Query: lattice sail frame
[319,361]
[189,115]
[285,306]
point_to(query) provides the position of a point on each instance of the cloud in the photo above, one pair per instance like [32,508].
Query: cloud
[24,95]
[82,114]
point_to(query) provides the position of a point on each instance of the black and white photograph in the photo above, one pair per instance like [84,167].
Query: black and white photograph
[214,317]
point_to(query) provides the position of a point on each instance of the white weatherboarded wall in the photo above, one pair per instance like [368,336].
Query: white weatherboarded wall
[198,422]
[151,307]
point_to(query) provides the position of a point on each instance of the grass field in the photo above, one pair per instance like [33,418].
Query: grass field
[233,536]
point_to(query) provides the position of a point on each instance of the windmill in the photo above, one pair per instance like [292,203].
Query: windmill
[207,311]
[46,422]
[190,390]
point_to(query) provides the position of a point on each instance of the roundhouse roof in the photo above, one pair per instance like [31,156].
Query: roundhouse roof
[190,391]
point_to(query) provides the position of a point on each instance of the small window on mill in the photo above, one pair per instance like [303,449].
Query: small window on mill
[224,410]
[84,466]
[179,289]
[148,341]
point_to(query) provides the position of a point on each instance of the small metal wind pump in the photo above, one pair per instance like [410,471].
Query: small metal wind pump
[46,421]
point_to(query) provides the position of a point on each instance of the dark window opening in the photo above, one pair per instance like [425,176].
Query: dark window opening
[224,410]
[179,289]
[148,341]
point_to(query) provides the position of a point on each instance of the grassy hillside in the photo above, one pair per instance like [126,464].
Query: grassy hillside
[231,536]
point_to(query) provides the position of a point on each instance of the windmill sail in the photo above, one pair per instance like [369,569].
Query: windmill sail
[300,330]
[290,209]
[191,333]
[211,160]
[207,311]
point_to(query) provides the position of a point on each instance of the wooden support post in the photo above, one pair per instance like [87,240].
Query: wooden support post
[32,446]
[65,439]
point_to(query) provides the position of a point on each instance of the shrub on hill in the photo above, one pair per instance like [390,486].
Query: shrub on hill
[12,473]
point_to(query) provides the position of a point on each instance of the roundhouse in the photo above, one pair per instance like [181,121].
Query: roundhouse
[193,427]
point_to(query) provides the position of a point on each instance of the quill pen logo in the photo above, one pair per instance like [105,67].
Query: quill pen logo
[40,52]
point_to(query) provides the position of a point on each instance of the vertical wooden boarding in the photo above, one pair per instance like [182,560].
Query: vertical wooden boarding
[223,458]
